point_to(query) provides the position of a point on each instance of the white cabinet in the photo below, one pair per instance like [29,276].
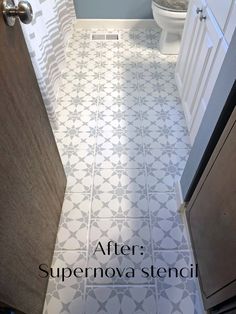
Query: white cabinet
[205,93]
[189,40]
[230,27]
[220,10]
[201,56]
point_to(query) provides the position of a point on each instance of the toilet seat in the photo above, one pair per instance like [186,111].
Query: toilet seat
[172,5]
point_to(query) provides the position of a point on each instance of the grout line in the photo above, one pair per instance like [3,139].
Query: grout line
[121,285]
[93,176]
[153,251]
[70,250]
[72,193]
[172,250]
[147,190]
[119,218]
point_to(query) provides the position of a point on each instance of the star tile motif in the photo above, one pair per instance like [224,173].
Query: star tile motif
[73,228]
[165,167]
[119,158]
[120,181]
[121,138]
[68,296]
[120,122]
[176,295]
[109,205]
[168,232]
[120,300]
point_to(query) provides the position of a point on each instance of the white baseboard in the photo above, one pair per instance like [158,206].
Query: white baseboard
[179,84]
[115,23]
[179,197]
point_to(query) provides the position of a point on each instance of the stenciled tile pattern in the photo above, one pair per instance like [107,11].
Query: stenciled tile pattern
[119,157]
[119,181]
[118,205]
[121,138]
[164,168]
[117,300]
[123,141]
[168,232]
[73,228]
[176,294]
[66,296]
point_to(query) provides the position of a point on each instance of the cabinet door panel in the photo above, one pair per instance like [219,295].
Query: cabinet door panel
[212,221]
[203,96]
[194,67]
[189,39]
[189,74]
[221,10]
[210,40]
[199,62]
[231,25]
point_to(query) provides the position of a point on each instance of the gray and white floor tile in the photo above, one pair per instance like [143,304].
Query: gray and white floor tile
[74,141]
[78,180]
[176,294]
[127,140]
[119,157]
[166,138]
[165,168]
[120,205]
[120,181]
[135,300]
[124,143]
[66,296]
[73,228]
[168,231]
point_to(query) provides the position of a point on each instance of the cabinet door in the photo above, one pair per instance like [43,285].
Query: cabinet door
[198,63]
[231,25]
[220,10]
[204,94]
[189,40]
[200,87]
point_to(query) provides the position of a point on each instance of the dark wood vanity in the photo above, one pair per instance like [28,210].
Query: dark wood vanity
[211,215]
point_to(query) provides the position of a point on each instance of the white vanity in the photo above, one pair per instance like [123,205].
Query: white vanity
[207,34]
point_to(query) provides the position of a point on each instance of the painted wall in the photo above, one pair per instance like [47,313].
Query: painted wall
[217,101]
[113,9]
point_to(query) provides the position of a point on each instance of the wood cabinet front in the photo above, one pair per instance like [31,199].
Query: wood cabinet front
[211,217]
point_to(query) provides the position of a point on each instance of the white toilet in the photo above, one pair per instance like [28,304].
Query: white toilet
[170,15]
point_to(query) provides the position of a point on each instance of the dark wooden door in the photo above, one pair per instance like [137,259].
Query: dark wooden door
[211,217]
[32,179]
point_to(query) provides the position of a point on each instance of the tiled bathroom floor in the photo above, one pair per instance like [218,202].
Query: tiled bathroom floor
[124,143]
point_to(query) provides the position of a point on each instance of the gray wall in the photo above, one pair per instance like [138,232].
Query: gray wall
[113,9]
[218,99]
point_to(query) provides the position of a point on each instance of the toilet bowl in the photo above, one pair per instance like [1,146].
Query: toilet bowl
[170,16]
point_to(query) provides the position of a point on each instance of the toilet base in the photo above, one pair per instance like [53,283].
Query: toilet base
[169,43]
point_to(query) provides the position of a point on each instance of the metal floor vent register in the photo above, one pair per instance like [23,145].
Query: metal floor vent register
[105,37]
